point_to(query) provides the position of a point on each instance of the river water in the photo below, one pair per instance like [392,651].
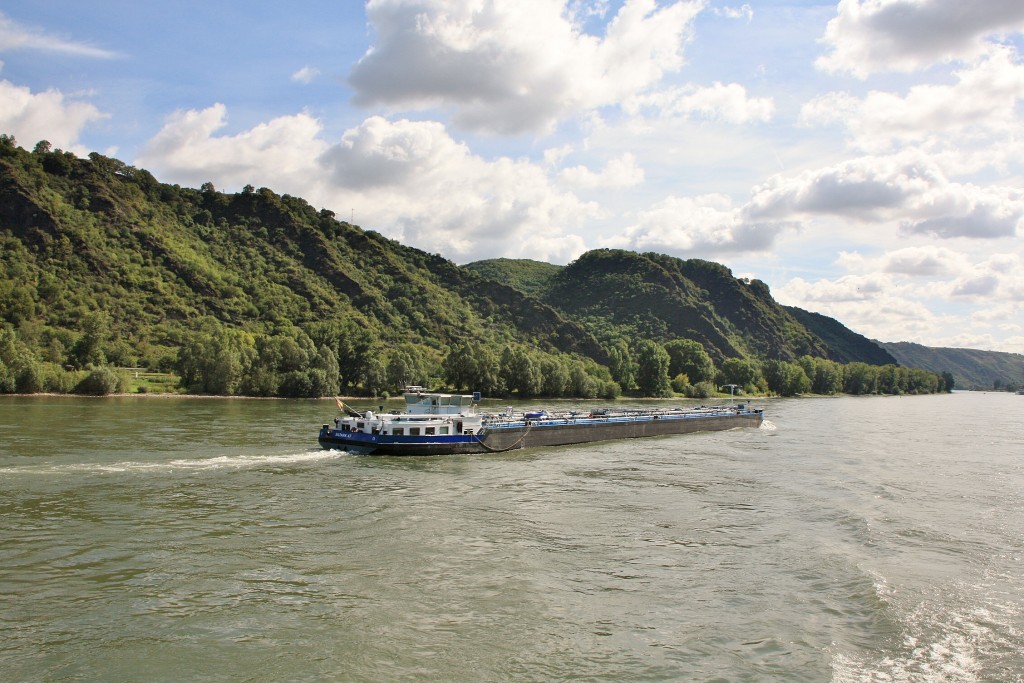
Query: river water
[847,539]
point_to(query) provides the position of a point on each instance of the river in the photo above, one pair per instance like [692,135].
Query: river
[847,539]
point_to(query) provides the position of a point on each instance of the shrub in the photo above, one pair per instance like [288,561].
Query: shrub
[700,390]
[100,382]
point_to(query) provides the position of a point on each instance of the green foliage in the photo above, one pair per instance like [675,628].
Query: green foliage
[621,365]
[652,369]
[520,372]
[261,294]
[826,375]
[742,372]
[700,390]
[786,378]
[530,277]
[688,357]
[100,382]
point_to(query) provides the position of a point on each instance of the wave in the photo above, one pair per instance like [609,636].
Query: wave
[223,462]
[970,634]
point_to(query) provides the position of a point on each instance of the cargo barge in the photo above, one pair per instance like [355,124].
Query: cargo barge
[443,424]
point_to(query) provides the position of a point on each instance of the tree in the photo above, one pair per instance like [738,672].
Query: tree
[90,349]
[786,378]
[519,371]
[742,372]
[554,376]
[581,383]
[621,365]
[828,377]
[860,378]
[947,381]
[374,375]
[327,363]
[652,362]
[406,365]
[688,357]
[215,359]
[459,366]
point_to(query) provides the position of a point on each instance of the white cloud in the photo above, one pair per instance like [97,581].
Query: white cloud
[875,304]
[49,115]
[998,278]
[409,180]
[515,67]
[848,288]
[923,261]
[276,154]
[907,188]
[868,36]
[907,295]
[306,74]
[978,285]
[742,12]
[618,173]
[555,155]
[13,36]
[982,106]
[697,226]
[718,102]
[423,187]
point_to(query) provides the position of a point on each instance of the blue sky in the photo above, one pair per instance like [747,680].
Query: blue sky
[862,157]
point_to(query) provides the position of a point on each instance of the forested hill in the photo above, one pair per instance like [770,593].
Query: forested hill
[94,248]
[971,368]
[262,294]
[621,294]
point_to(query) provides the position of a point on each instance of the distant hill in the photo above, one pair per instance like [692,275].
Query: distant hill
[971,368]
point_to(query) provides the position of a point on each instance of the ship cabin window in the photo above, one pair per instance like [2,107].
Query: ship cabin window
[444,430]
[398,431]
[414,431]
[429,431]
[360,426]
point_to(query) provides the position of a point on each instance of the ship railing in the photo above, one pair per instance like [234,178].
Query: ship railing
[519,418]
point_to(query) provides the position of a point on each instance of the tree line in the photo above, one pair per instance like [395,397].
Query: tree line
[341,357]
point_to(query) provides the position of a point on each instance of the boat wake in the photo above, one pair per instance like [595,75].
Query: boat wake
[224,462]
[970,634]
[768,426]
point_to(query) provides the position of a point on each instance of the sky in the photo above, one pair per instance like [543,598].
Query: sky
[864,158]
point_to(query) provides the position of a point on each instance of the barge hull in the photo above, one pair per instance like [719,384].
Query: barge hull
[563,435]
[515,436]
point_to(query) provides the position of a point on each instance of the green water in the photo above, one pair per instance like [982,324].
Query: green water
[848,539]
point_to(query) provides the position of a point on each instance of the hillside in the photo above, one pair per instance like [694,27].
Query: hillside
[846,345]
[971,368]
[95,242]
[262,294]
[621,294]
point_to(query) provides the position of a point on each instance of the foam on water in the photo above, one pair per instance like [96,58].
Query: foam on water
[224,462]
[977,641]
